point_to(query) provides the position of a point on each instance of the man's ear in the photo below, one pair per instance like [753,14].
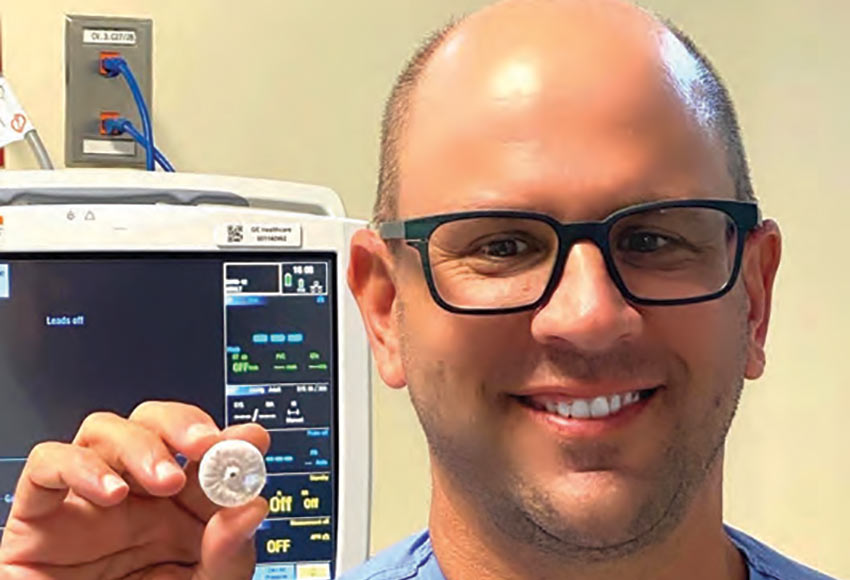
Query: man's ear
[758,270]
[371,281]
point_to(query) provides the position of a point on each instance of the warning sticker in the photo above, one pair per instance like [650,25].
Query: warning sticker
[18,123]
[14,123]
[259,235]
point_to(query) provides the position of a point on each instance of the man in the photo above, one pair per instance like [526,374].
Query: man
[564,304]
[570,276]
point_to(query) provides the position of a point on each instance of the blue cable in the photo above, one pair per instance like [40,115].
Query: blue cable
[115,66]
[159,157]
[122,125]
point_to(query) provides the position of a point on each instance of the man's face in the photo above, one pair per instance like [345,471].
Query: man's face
[523,133]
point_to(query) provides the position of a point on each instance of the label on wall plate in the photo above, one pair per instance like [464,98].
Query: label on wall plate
[106,36]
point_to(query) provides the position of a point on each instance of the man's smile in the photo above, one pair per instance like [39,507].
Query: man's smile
[588,416]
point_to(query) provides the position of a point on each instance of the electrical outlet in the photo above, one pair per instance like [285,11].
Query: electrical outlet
[90,96]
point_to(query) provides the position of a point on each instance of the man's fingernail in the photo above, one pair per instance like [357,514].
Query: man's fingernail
[200,430]
[112,483]
[166,469]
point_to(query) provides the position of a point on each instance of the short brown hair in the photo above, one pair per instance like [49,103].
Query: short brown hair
[397,110]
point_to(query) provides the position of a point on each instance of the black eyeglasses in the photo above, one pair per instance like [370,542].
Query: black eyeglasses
[661,253]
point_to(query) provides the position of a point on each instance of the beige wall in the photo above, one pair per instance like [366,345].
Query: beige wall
[305,106]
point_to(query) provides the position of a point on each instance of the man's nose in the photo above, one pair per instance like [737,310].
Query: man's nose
[586,308]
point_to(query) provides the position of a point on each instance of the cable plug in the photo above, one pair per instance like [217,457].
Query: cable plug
[110,63]
[109,123]
[121,125]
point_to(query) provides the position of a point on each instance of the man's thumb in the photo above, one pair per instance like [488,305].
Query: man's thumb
[227,548]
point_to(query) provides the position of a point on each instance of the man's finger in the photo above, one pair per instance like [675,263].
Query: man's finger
[131,448]
[227,550]
[54,469]
[253,433]
[185,428]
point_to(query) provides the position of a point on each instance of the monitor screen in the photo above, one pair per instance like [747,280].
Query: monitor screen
[244,336]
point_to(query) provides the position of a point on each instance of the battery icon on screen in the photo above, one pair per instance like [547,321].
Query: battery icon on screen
[4,280]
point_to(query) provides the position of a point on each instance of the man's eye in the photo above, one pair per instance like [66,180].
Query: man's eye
[506,248]
[643,242]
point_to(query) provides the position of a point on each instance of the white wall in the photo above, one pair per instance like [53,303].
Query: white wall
[293,89]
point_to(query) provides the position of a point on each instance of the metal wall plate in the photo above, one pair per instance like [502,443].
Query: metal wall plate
[88,93]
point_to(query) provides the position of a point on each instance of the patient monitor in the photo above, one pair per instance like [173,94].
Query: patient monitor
[118,287]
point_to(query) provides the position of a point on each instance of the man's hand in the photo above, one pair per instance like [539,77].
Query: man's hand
[116,504]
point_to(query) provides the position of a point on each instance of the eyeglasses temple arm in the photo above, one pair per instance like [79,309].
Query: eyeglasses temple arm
[390,230]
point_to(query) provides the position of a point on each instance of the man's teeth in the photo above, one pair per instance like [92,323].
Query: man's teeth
[596,408]
[580,409]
